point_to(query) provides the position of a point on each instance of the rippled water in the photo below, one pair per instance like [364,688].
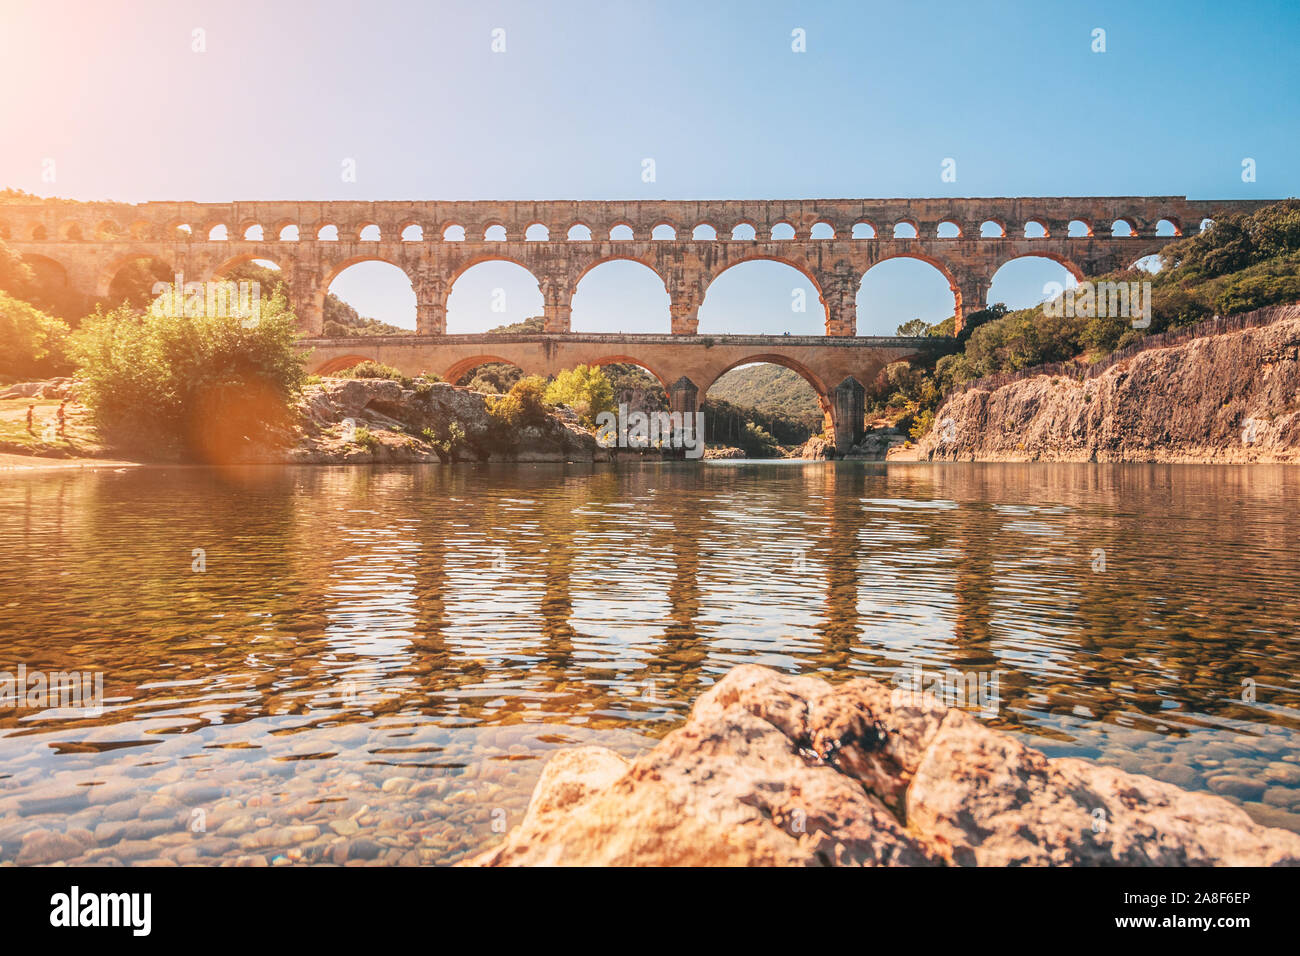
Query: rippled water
[374,662]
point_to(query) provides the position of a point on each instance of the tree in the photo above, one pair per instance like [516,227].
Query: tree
[523,405]
[585,389]
[203,386]
[32,344]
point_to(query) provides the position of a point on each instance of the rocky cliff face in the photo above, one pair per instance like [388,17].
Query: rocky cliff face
[377,420]
[772,769]
[1225,398]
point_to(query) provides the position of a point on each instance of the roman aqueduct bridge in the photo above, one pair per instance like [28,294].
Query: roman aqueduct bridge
[688,244]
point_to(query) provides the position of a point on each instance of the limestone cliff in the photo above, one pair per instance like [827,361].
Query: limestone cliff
[1233,397]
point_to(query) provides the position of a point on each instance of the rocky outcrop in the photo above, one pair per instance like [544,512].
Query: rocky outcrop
[772,769]
[51,388]
[1225,398]
[378,420]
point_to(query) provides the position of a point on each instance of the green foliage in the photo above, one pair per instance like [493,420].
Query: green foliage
[585,389]
[532,324]
[33,345]
[449,443]
[365,438]
[921,424]
[773,394]
[1236,242]
[203,386]
[757,442]
[914,327]
[523,405]
[372,369]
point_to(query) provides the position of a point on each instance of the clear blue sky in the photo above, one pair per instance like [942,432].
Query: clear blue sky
[711,91]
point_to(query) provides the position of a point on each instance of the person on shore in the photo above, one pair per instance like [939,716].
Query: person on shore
[31,411]
[63,416]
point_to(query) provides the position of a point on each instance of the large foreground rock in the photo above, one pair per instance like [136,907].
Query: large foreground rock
[772,769]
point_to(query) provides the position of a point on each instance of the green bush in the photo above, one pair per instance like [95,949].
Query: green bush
[201,386]
[758,442]
[585,389]
[33,345]
[372,369]
[523,405]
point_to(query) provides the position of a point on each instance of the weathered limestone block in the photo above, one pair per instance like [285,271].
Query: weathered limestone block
[772,769]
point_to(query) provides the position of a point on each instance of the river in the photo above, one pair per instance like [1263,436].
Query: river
[370,665]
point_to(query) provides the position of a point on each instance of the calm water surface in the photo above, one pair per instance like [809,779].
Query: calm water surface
[375,662]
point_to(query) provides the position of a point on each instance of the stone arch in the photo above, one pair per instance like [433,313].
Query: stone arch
[1126,220]
[366,226]
[580,225]
[1175,225]
[1131,259]
[338,364]
[108,272]
[945,270]
[950,221]
[1058,258]
[639,363]
[793,263]
[477,260]
[248,226]
[663,224]
[37,233]
[461,367]
[544,237]
[783,225]
[862,225]
[635,303]
[822,229]
[210,232]
[704,225]
[905,224]
[49,272]
[999,224]
[141,229]
[775,358]
[405,226]
[72,231]
[490,226]
[1085,223]
[748,229]
[1041,224]
[239,260]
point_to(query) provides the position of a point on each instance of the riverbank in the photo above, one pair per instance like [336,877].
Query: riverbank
[773,769]
[1228,398]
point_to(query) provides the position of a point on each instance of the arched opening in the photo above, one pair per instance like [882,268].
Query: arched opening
[341,363]
[1167,228]
[454,233]
[704,233]
[328,233]
[73,232]
[579,233]
[109,230]
[621,233]
[133,281]
[1122,229]
[744,232]
[864,230]
[663,231]
[822,230]
[492,295]
[899,290]
[537,233]
[636,383]
[1078,229]
[904,230]
[254,233]
[782,232]
[621,295]
[948,230]
[369,233]
[762,297]
[1028,281]
[1035,230]
[50,290]
[494,233]
[413,232]
[991,229]
[485,373]
[764,407]
[141,229]
[218,233]
[289,233]
[370,296]
[38,233]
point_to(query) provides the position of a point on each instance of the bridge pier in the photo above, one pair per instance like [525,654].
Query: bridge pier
[848,411]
